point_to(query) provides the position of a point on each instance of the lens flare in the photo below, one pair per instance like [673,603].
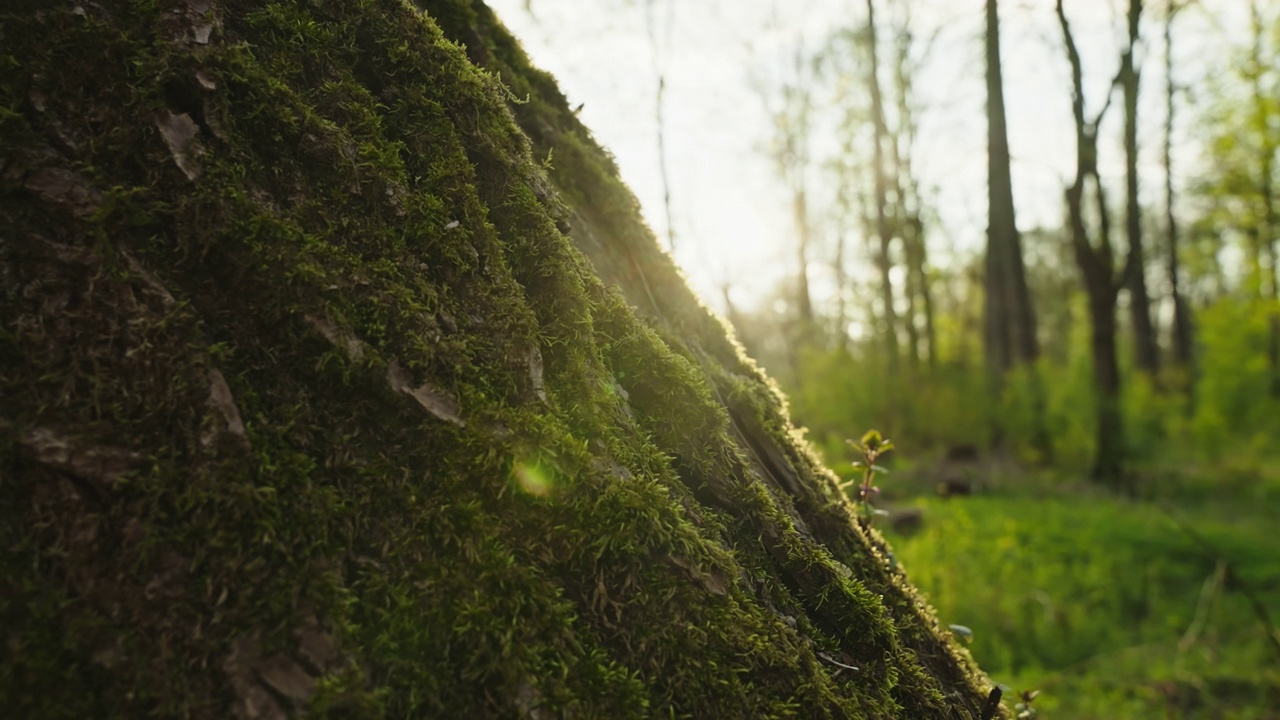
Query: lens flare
[533,479]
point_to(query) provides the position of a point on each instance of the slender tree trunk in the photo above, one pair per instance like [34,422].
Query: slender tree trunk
[1001,226]
[913,330]
[917,267]
[1109,461]
[659,106]
[883,228]
[1269,284]
[930,332]
[995,336]
[1010,321]
[800,206]
[1102,289]
[1022,315]
[911,242]
[909,204]
[1273,273]
[842,310]
[1181,313]
[1097,267]
[1144,334]
[792,123]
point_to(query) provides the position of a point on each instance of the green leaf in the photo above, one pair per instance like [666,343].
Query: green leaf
[872,440]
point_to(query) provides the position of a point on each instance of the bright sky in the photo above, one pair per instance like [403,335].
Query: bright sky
[731,213]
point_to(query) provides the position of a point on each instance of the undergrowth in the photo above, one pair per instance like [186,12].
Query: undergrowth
[1107,605]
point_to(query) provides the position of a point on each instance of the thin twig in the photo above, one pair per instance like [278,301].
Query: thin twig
[659,57]
[1211,550]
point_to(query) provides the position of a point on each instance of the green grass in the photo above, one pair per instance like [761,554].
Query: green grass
[1105,604]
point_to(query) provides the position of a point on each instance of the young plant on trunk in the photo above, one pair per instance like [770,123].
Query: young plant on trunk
[871,447]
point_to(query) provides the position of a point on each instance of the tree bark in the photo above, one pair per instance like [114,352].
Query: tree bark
[837,266]
[1009,322]
[1181,313]
[909,222]
[1269,284]
[1097,267]
[930,329]
[1009,326]
[906,221]
[1108,463]
[800,206]
[1146,350]
[1000,221]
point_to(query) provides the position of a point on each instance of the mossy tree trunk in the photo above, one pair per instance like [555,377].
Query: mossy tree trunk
[321,394]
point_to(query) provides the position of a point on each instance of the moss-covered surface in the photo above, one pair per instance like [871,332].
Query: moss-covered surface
[321,394]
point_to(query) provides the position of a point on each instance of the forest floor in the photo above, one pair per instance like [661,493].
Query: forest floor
[1154,607]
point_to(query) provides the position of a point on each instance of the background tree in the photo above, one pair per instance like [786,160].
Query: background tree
[792,113]
[1009,320]
[879,164]
[1096,260]
[909,218]
[1147,352]
[1181,330]
[1266,233]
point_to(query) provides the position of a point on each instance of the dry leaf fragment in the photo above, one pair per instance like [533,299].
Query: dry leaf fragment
[179,133]
[284,675]
[64,187]
[434,401]
[535,373]
[222,401]
[153,284]
[338,336]
[100,465]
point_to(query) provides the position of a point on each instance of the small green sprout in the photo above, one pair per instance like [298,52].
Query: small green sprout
[871,447]
[1024,709]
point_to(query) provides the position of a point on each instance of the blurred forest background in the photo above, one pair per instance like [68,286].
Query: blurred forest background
[1081,374]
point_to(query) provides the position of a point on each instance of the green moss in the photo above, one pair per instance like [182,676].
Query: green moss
[321,410]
